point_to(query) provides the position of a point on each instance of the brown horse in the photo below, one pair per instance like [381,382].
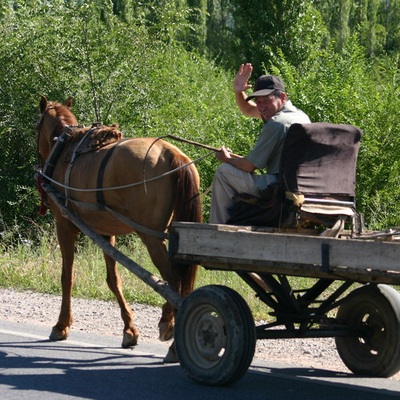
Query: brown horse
[148,181]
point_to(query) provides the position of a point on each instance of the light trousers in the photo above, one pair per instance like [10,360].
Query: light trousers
[228,181]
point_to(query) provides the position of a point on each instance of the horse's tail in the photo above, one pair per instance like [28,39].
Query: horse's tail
[187,209]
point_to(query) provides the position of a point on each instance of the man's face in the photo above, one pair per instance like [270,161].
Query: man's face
[269,105]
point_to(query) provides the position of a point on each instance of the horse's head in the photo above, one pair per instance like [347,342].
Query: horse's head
[54,118]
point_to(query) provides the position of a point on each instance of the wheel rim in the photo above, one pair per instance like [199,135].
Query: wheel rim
[372,339]
[207,326]
[373,317]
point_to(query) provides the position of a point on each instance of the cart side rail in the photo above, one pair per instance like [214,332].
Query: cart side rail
[237,248]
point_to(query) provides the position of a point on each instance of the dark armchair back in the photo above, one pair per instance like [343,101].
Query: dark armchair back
[319,159]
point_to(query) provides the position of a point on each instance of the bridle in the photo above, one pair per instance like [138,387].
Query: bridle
[38,127]
[57,134]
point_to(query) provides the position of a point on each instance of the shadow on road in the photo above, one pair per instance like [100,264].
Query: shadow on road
[60,370]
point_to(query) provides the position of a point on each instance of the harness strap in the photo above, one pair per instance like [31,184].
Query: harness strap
[136,226]
[100,175]
[100,206]
[74,155]
[55,153]
[132,224]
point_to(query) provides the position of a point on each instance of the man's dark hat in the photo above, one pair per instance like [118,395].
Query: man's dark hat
[265,85]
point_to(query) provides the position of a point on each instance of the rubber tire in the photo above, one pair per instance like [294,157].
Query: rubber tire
[215,336]
[376,308]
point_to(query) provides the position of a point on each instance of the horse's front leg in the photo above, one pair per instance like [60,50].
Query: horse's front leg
[66,238]
[130,333]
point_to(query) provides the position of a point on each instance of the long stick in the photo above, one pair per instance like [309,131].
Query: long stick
[204,146]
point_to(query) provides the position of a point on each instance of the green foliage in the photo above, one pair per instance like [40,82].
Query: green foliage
[117,73]
[127,62]
[262,29]
[376,23]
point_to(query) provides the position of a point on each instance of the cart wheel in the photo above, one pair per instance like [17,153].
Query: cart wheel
[215,335]
[374,315]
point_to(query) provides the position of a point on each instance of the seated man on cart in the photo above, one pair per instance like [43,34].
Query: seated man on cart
[270,103]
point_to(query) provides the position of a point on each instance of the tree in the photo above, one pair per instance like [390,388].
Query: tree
[389,17]
[262,29]
[220,38]
[376,21]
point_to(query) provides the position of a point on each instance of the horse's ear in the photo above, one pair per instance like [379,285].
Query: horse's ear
[68,102]
[43,104]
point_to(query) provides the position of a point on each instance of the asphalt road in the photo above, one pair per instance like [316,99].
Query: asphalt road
[88,367]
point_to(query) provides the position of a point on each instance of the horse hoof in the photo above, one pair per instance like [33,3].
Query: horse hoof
[166,331]
[171,357]
[130,339]
[58,334]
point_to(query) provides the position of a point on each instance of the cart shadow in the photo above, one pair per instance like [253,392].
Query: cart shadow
[93,372]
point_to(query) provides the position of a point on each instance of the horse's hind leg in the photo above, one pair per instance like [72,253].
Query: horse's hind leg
[130,333]
[159,256]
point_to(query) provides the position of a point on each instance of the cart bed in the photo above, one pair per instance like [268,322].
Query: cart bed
[239,248]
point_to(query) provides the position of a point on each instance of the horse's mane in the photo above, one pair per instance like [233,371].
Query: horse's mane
[97,136]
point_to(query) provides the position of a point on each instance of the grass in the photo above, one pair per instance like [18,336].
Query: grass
[38,268]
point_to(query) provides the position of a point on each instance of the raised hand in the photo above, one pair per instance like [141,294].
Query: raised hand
[240,82]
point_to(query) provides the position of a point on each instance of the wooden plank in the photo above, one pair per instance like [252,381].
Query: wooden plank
[242,248]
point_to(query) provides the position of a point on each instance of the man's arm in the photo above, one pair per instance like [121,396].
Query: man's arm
[240,85]
[238,162]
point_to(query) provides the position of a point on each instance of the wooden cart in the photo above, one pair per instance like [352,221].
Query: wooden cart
[349,299]
[215,332]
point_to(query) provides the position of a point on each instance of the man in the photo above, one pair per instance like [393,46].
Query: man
[270,103]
